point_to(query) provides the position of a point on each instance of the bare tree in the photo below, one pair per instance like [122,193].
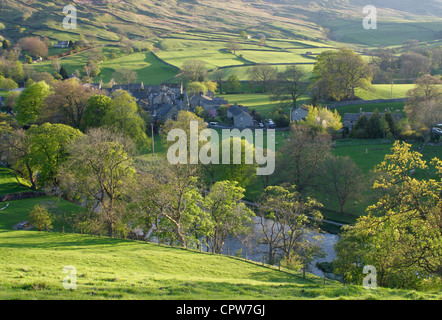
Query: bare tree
[263,74]
[300,158]
[342,178]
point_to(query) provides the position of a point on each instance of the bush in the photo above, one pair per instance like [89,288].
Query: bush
[40,218]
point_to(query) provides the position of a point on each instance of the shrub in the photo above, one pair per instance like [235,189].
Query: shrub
[40,218]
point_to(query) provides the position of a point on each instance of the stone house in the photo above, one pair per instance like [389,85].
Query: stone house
[241,117]
[300,113]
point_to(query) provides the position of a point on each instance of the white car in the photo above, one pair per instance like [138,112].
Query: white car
[437,130]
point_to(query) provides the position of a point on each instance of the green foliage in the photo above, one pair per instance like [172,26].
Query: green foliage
[232,84]
[40,218]
[401,234]
[48,145]
[29,101]
[123,116]
[97,107]
[339,73]
[324,120]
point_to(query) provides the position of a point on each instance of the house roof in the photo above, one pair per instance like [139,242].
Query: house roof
[237,110]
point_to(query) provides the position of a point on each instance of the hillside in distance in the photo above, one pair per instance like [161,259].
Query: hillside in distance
[109,20]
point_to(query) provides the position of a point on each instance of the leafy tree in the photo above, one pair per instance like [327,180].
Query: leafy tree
[226,213]
[63,73]
[7,84]
[172,201]
[232,84]
[194,70]
[242,171]
[67,103]
[48,145]
[29,102]
[359,130]
[374,126]
[96,109]
[287,223]
[339,73]
[100,170]
[196,87]
[233,46]
[5,44]
[15,151]
[40,218]
[123,116]
[401,234]
[324,119]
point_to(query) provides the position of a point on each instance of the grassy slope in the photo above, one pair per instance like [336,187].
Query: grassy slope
[32,268]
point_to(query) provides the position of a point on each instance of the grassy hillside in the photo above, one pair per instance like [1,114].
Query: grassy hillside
[32,268]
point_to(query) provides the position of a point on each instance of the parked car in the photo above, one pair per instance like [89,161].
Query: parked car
[213,123]
[437,130]
[261,125]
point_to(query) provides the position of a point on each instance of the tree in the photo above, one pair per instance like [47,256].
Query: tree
[29,103]
[343,179]
[64,73]
[218,76]
[194,70]
[339,73]
[290,85]
[124,76]
[5,44]
[97,107]
[242,171]
[232,84]
[287,223]
[48,145]
[34,46]
[67,103]
[324,120]
[401,233]
[7,84]
[374,126]
[15,151]
[172,200]
[413,65]
[99,170]
[423,107]
[233,46]
[40,218]
[123,116]
[226,213]
[56,65]
[263,74]
[91,70]
[359,130]
[196,87]
[300,158]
